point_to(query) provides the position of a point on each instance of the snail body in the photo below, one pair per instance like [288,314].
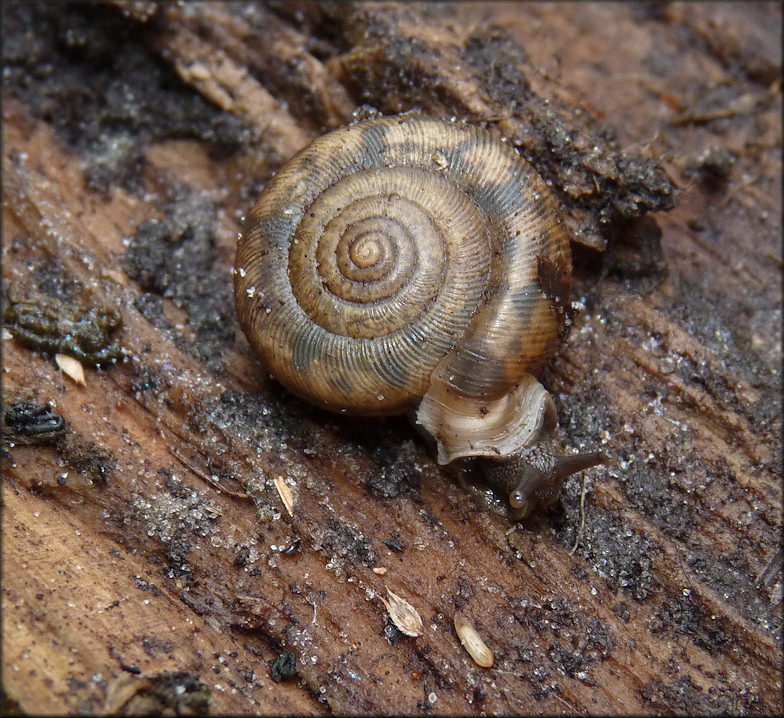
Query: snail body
[408,264]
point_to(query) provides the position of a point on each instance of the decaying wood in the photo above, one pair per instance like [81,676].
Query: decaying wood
[193,522]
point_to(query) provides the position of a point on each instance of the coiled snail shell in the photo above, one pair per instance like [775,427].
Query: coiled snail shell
[412,264]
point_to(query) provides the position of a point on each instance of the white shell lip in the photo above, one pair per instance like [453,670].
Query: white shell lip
[468,426]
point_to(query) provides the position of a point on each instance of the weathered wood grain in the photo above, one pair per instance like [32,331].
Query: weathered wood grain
[151,536]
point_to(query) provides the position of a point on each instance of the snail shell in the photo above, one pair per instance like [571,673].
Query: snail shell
[412,264]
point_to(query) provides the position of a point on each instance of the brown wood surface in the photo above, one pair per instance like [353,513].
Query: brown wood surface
[152,535]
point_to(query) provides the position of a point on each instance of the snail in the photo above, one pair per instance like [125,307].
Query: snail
[410,264]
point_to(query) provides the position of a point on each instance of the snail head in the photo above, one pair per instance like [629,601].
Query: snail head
[533,478]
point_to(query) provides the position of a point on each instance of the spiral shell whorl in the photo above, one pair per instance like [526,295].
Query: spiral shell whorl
[412,247]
